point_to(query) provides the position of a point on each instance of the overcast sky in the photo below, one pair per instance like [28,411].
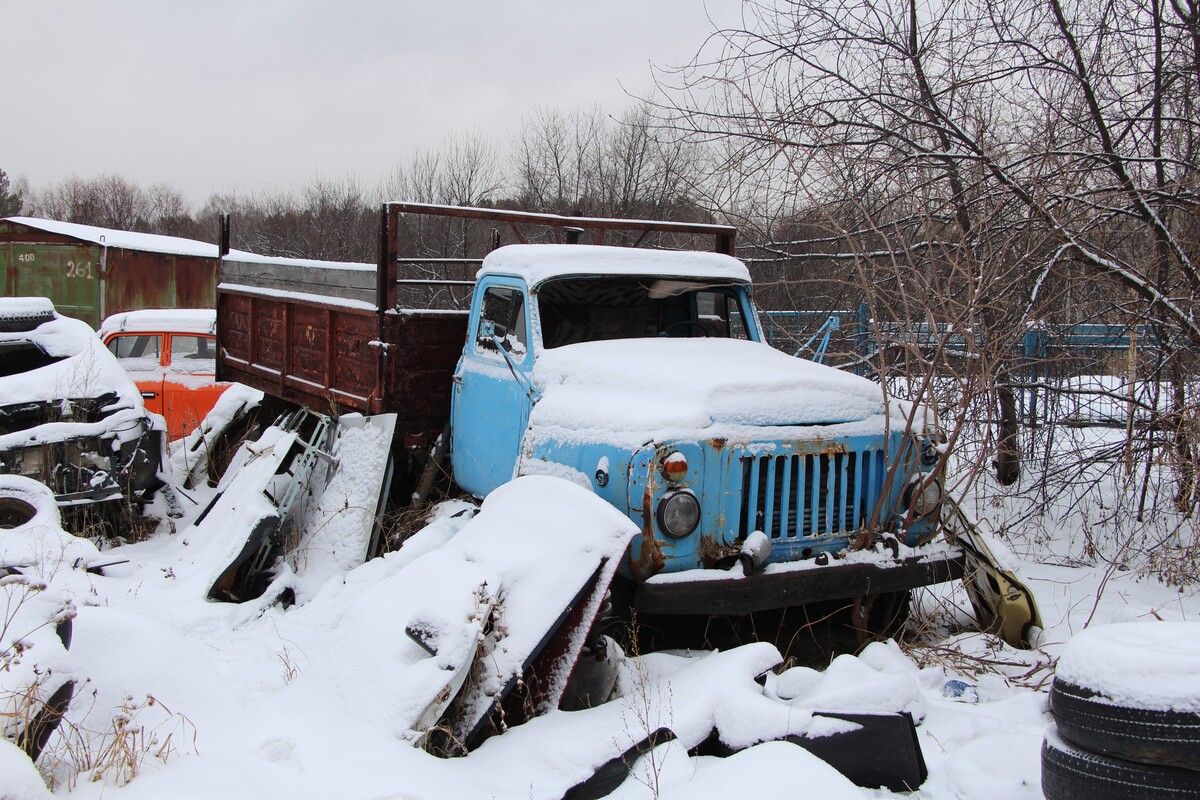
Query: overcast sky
[220,95]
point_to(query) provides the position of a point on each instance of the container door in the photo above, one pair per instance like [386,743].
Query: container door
[190,387]
[141,354]
[490,405]
[68,274]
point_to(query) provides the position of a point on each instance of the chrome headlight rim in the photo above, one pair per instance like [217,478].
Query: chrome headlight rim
[924,496]
[680,501]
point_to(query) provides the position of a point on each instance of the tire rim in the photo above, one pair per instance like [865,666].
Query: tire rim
[15,512]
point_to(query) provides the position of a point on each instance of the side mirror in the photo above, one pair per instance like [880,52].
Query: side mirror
[489,330]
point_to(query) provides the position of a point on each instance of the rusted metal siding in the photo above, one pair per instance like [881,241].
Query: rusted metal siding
[305,352]
[68,271]
[420,366]
[139,279]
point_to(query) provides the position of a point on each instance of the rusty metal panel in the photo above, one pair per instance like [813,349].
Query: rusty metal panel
[354,365]
[138,280]
[308,334]
[195,282]
[420,364]
[312,354]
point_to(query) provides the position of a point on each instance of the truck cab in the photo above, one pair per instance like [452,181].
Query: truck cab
[643,375]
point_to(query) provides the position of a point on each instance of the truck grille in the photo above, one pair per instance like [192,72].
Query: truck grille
[794,496]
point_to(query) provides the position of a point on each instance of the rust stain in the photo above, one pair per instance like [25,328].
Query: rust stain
[649,558]
[818,447]
[713,552]
[718,443]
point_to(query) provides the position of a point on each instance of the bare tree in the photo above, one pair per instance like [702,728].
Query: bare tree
[112,201]
[985,165]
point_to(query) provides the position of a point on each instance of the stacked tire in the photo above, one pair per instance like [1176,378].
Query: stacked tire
[1126,706]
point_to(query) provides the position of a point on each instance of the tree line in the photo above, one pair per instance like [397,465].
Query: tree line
[572,162]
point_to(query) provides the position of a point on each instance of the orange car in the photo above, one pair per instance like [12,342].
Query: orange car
[172,356]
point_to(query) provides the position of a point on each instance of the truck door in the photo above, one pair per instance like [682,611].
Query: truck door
[491,401]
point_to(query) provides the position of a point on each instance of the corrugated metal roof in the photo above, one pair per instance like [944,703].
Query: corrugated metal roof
[126,240]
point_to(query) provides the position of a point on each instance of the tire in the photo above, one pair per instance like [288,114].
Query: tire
[15,512]
[1070,773]
[28,315]
[1094,722]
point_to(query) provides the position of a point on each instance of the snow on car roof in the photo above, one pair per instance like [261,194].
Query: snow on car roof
[126,240]
[537,263]
[173,320]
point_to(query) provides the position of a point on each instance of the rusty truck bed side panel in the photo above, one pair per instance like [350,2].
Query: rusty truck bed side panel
[323,356]
[302,351]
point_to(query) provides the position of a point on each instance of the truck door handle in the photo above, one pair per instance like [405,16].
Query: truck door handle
[149,395]
[457,378]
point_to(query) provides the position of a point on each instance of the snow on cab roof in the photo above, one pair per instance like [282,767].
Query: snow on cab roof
[537,263]
[173,320]
[126,240]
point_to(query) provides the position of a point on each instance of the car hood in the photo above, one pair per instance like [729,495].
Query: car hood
[679,385]
[80,369]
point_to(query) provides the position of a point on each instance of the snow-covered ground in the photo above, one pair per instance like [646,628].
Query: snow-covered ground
[182,697]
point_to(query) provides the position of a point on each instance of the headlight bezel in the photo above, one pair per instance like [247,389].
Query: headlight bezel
[924,496]
[671,505]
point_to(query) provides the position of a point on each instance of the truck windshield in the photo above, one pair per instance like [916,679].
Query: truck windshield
[574,310]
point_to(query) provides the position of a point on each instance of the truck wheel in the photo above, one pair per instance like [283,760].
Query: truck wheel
[1099,724]
[1070,773]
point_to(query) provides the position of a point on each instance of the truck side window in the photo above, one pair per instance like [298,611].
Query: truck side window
[505,307]
[718,315]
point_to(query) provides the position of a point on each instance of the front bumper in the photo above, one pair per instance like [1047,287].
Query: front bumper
[707,592]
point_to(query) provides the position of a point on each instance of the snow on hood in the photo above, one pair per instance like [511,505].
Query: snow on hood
[87,369]
[690,385]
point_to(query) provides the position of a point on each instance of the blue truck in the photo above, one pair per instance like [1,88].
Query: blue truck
[758,481]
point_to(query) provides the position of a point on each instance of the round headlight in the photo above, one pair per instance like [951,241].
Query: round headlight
[678,514]
[923,498]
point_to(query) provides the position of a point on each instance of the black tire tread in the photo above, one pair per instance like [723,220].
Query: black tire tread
[1088,720]
[1070,773]
[23,321]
